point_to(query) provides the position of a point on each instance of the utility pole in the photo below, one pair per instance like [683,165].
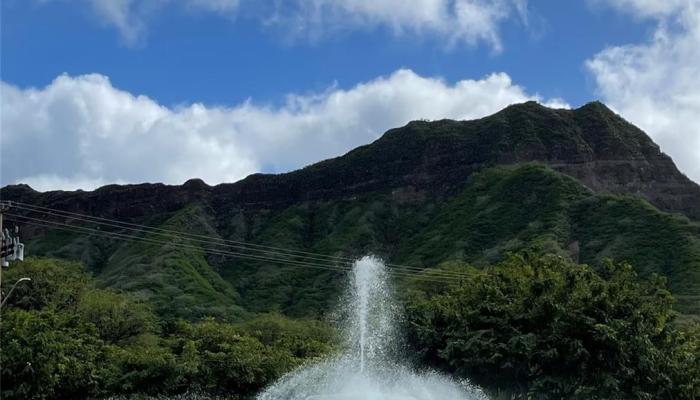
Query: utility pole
[3,207]
[10,249]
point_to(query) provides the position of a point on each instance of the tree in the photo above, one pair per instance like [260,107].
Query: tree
[48,355]
[55,284]
[116,317]
[543,327]
[66,338]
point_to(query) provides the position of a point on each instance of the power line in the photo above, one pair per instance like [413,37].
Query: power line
[123,224]
[294,263]
[36,208]
[83,230]
[237,245]
[127,237]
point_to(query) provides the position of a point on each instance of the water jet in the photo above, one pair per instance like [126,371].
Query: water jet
[368,369]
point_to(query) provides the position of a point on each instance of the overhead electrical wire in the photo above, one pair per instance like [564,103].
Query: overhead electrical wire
[287,262]
[295,263]
[126,237]
[265,255]
[242,246]
[203,238]
[123,224]
[194,238]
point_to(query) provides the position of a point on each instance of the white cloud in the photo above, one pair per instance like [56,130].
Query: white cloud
[127,16]
[656,85]
[455,21]
[130,17]
[645,8]
[219,6]
[81,132]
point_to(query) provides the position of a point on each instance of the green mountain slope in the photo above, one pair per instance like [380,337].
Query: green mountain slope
[499,210]
[177,280]
[583,183]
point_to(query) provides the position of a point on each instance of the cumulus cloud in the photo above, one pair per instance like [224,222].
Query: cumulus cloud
[82,132]
[656,84]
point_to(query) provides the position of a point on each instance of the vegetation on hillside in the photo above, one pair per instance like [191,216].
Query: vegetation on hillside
[527,177]
[499,210]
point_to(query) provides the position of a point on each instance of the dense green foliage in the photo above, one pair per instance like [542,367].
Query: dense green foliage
[63,337]
[495,211]
[499,210]
[544,327]
[173,274]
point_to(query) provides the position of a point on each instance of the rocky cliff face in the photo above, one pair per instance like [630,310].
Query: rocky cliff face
[592,144]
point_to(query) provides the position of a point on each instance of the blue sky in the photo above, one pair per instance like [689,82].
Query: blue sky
[274,85]
[212,59]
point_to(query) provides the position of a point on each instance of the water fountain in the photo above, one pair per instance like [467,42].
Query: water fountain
[368,369]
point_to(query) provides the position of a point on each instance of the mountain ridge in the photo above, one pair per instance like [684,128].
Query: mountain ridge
[592,144]
[581,183]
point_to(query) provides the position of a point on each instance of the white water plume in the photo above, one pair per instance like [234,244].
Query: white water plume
[368,368]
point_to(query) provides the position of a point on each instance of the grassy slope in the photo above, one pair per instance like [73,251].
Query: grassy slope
[629,229]
[500,210]
[179,281]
